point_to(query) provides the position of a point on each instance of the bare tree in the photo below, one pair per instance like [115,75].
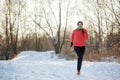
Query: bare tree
[66,24]
[12,21]
[56,39]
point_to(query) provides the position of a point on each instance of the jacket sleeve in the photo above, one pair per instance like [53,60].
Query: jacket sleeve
[86,35]
[72,37]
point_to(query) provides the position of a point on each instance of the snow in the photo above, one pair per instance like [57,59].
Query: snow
[33,55]
[110,59]
[31,65]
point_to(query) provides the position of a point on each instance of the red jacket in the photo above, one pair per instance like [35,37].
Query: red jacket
[78,38]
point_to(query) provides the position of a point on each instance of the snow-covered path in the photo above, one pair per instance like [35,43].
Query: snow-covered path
[47,66]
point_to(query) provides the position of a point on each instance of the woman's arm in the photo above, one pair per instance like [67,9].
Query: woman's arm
[72,38]
[86,34]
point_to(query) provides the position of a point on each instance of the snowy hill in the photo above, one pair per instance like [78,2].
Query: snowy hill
[33,55]
[31,65]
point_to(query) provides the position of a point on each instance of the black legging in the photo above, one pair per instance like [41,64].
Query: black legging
[80,52]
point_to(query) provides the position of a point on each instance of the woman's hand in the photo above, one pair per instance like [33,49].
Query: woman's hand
[71,44]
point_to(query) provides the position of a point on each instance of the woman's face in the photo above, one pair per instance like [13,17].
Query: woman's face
[80,24]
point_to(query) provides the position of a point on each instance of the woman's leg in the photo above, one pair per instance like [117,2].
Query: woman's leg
[80,52]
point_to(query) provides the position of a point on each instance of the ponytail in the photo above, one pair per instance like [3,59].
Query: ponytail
[82,31]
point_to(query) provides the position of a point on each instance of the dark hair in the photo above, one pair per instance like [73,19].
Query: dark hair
[79,22]
[82,31]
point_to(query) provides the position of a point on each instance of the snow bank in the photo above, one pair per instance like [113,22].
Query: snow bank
[31,65]
[110,59]
[34,55]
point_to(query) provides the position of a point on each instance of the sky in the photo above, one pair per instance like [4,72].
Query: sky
[77,12]
[73,19]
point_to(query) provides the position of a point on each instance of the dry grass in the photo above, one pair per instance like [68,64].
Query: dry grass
[103,52]
[91,54]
